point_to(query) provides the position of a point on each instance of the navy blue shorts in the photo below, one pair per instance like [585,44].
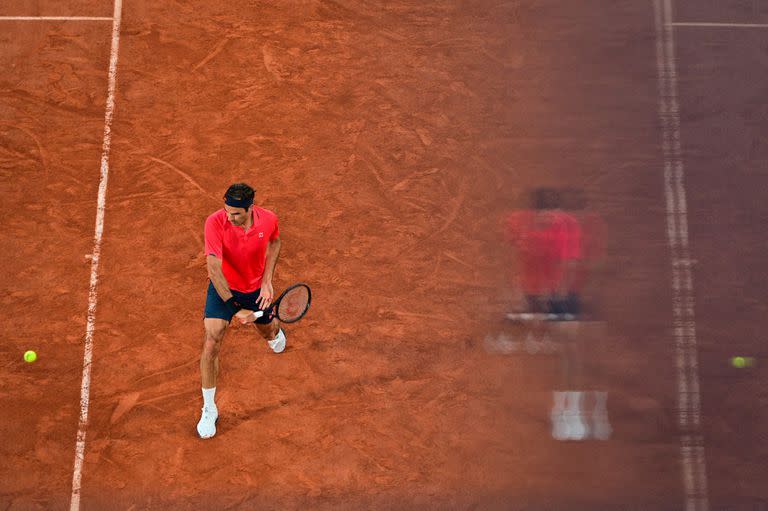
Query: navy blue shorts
[563,307]
[216,308]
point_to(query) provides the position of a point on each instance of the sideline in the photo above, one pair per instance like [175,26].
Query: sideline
[85,387]
[683,310]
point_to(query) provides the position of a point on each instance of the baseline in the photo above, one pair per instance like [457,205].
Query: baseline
[54,18]
[718,25]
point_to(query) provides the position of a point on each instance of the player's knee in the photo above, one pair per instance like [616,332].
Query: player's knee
[210,348]
[212,342]
[215,334]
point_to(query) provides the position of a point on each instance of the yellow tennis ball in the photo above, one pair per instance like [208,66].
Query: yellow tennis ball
[30,356]
[739,362]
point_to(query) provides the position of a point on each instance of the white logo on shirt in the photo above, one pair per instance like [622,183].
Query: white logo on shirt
[261,235]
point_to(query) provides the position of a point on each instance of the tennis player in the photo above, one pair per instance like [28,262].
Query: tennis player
[242,243]
[546,240]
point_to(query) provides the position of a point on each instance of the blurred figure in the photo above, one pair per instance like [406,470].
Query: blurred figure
[590,258]
[559,246]
[586,256]
[545,240]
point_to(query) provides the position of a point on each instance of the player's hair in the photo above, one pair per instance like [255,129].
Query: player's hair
[545,198]
[240,191]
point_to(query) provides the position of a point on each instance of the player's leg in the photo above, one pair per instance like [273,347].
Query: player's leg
[273,334]
[268,330]
[267,326]
[593,338]
[571,346]
[561,423]
[536,327]
[569,401]
[215,328]
[217,317]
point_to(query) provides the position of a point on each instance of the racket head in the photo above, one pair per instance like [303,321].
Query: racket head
[293,303]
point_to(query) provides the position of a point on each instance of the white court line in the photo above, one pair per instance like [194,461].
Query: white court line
[85,387]
[719,25]
[53,18]
[683,312]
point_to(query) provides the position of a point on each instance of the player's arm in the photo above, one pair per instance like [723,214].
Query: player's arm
[216,274]
[267,291]
[569,252]
[273,251]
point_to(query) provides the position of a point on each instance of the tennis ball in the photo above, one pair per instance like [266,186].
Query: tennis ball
[30,356]
[741,362]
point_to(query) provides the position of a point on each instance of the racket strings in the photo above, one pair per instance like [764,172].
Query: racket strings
[294,304]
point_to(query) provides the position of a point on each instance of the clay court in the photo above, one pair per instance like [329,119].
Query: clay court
[390,138]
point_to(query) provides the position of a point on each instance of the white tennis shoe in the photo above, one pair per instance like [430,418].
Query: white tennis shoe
[206,428]
[560,430]
[278,343]
[575,425]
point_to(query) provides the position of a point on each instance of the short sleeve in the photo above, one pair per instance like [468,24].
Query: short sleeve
[568,237]
[275,232]
[213,240]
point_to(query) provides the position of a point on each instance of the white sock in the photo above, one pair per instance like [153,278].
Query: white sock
[208,398]
[279,332]
[574,402]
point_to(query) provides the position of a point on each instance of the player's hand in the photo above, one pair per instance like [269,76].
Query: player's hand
[265,296]
[245,316]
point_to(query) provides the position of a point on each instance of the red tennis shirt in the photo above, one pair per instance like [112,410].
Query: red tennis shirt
[545,240]
[243,254]
[592,248]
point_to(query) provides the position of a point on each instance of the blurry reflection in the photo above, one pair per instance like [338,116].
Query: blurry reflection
[559,244]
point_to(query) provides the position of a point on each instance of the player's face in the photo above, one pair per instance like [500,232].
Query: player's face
[238,216]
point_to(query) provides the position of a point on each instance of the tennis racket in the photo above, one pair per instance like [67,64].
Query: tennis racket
[291,305]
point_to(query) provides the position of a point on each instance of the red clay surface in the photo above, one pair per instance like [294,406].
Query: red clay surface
[389,140]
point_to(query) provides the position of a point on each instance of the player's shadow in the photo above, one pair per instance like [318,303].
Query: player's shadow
[238,416]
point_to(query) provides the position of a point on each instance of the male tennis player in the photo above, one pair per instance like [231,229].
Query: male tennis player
[545,238]
[548,242]
[242,242]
